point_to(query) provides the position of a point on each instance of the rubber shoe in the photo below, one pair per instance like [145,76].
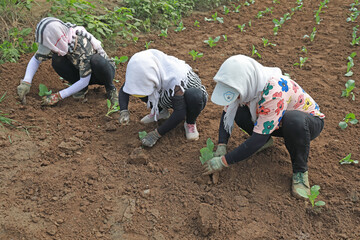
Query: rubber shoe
[269,143]
[191,131]
[112,96]
[164,114]
[300,181]
[80,95]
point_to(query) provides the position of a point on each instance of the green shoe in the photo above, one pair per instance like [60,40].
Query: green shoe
[112,96]
[300,181]
[269,143]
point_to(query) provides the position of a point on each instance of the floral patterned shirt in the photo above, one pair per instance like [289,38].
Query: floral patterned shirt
[279,96]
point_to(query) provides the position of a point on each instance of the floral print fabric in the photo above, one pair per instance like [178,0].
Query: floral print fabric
[279,96]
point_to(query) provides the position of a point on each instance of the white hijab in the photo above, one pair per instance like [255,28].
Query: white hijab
[249,78]
[151,73]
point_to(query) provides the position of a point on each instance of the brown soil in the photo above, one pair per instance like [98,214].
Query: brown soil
[79,175]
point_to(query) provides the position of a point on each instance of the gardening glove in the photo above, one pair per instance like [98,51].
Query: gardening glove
[51,99]
[22,90]
[124,118]
[220,151]
[214,165]
[150,139]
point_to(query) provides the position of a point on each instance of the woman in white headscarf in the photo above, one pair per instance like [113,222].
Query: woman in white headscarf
[264,103]
[77,56]
[163,82]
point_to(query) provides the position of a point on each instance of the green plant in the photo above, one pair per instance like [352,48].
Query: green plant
[147,44]
[207,152]
[355,40]
[349,118]
[242,27]
[350,64]
[142,134]
[180,27]
[195,54]
[267,43]
[237,8]
[3,118]
[314,193]
[249,23]
[350,85]
[254,51]
[197,23]
[312,35]
[112,109]
[215,18]
[226,10]
[302,62]
[212,42]
[260,14]
[122,59]
[303,49]
[348,160]
[163,33]
[43,90]
[225,37]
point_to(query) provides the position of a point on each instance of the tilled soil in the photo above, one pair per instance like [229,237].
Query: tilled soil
[71,173]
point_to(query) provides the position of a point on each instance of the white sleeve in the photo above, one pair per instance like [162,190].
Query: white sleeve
[76,87]
[31,69]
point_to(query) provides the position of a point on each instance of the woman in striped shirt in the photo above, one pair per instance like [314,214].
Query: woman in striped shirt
[163,82]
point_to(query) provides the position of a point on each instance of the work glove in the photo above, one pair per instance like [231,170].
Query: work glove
[51,99]
[220,151]
[22,90]
[213,165]
[150,139]
[124,118]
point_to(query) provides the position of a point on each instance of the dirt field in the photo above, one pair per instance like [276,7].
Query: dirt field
[77,174]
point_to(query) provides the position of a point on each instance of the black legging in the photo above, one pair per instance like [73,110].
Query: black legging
[298,129]
[102,72]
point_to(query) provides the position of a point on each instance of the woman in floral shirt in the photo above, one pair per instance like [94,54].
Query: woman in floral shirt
[264,103]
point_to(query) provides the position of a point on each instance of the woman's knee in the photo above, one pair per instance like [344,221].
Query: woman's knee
[96,60]
[193,96]
[294,123]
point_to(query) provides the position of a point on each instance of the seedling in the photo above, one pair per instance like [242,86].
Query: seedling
[350,85]
[349,118]
[225,37]
[249,23]
[312,35]
[242,27]
[302,62]
[43,90]
[355,40]
[195,54]
[314,192]
[260,14]
[304,50]
[147,44]
[350,64]
[163,33]
[267,43]
[276,1]
[212,42]
[142,134]
[180,27]
[197,23]
[226,10]
[122,59]
[254,51]
[215,18]
[237,8]
[3,119]
[348,160]
[112,109]
[207,152]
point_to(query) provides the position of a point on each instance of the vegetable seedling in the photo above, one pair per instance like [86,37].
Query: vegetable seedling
[214,18]
[350,63]
[348,160]
[43,90]
[350,85]
[180,27]
[355,40]
[207,152]
[163,33]
[304,50]
[112,109]
[147,44]
[212,42]
[267,43]
[314,192]
[195,54]
[302,62]
[142,134]
[225,37]
[312,35]
[197,23]
[226,10]
[249,23]
[254,51]
[237,8]
[242,27]
[349,118]
[122,59]
[4,119]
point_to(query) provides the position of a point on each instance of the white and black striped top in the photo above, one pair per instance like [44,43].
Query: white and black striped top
[193,81]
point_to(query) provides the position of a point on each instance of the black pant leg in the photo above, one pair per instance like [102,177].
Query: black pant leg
[102,72]
[195,100]
[65,69]
[243,119]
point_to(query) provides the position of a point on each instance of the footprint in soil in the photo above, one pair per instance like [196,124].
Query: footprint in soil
[138,156]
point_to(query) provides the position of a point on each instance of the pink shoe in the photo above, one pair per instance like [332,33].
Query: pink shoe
[191,131]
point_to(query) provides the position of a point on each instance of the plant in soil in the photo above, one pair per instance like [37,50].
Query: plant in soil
[112,108]
[350,85]
[349,118]
[215,18]
[242,27]
[3,118]
[43,90]
[195,54]
[122,59]
[312,35]
[147,44]
[267,43]
[180,27]
[196,23]
[314,193]
[212,42]
[255,52]
[142,134]
[302,62]
[350,64]
[348,160]
[163,33]
[207,152]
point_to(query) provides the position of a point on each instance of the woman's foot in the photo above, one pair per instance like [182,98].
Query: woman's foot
[191,131]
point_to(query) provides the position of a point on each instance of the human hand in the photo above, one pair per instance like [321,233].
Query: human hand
[214,165]
[150,139]
[220,151]
[22,90]
[51,99]
[124,118]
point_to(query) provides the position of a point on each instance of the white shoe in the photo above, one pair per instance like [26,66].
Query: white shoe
[191,131]
[164,114]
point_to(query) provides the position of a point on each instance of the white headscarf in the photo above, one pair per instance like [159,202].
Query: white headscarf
[249,78]
[152,72]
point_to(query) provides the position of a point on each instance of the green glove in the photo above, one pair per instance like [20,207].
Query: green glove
[220,151]
[213,165]
[124,118]
[22,90]
[150,139]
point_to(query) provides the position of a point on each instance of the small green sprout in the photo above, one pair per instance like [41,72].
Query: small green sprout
[142,134]
[303,49]
[226,10]
[163,33]
[112,109]
[314,192]
[348,160]
[225,37]
[180,27]
[237,8]
[276,1]
[355,40]
[195,54]
[197,23]
[249,23]
[147,44]
[267,43]
[207,152]
[254,51]
[312,35]
[212,42]
[122,59]
[350,64]
[302,62]
[349,118]
[350,85]
[3,119]
[215,18]
[242,27]
[43,90]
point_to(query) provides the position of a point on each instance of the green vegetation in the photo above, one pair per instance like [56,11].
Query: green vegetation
[349,118]
[195,54]
[348,160]
[207,152]
[122,59]
[312,35]
[142,134]
[43,90]
[163,33]
[255,52]
[314,193]
[112,109]
[242,27]
[350,85]
[215,18]
[3,118]
[212,42]
[267,43]
[350,64]
[302,62]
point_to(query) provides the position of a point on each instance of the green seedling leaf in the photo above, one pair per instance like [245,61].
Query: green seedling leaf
[112,109]
[319,203]
[43,90]
[348,160]
[343,125]
[349,74]
[142,134]
[207,152]
[302,192]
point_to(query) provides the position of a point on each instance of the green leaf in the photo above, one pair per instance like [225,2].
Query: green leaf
[320,203]
[210,144]
[314,188]
[108,102]
[343,125]
[348,74]
[302,192]
[142,134]
[353,121]
[43,90]
[123,59]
